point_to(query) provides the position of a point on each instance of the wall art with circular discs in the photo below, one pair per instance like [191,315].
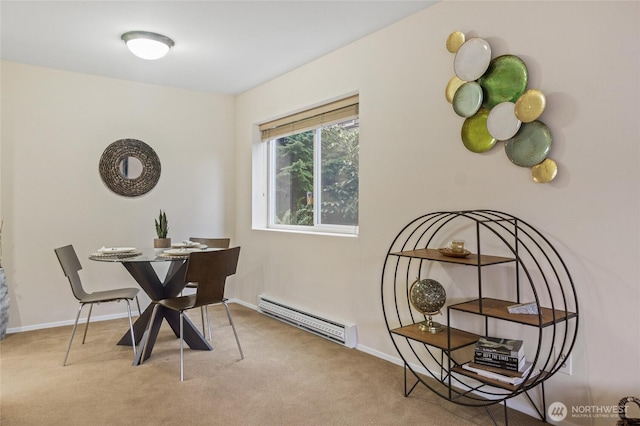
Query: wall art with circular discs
[491,95]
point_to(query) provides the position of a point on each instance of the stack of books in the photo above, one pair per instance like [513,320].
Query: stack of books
[502,360]
[502,353]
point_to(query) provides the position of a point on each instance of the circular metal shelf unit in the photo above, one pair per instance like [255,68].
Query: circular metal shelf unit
[521,263]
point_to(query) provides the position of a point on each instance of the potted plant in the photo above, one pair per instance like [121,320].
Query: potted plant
[4,295]
[162,228]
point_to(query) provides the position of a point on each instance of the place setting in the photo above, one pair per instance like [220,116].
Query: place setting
[116,252]
[183,248]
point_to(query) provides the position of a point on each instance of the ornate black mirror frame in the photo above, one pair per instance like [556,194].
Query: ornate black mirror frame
[111,167]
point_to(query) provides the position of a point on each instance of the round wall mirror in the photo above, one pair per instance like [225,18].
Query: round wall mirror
[129,167]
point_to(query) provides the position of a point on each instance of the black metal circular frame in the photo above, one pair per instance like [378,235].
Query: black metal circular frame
[534,271]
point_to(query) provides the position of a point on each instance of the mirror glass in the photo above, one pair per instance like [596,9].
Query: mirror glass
[130,167]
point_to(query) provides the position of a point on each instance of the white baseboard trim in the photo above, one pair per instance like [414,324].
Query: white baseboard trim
[69,322]
[245,304]
[83,320]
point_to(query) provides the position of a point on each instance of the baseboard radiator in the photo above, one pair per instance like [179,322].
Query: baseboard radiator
[345,334]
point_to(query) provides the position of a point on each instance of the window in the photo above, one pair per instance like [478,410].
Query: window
[313,169]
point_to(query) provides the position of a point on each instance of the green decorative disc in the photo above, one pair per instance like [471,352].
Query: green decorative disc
[468,99]
[475,136]
[530,146]
[504,81]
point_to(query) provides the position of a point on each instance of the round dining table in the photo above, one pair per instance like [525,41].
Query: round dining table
[139,263]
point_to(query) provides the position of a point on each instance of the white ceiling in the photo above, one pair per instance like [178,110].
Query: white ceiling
[224,47]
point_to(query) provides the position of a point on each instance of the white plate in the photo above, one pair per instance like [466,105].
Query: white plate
[181,245]
[188,244]
[113,250]
[180,251]
[472,59]
[502,122]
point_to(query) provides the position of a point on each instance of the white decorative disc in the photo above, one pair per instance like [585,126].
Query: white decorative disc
[472,59]
[502,122]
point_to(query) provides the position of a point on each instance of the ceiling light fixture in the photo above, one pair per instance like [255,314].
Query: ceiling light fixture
[147,45]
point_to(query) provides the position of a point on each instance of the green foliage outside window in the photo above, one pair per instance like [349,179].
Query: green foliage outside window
[294,166]
[340,163]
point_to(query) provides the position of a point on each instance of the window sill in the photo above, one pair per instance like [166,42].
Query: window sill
[327,233]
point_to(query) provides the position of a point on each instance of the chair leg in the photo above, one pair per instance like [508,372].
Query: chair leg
[86,327]
[147,332]
[73,332]
[234,328]
[133,336]
[204,325]
[138,303]
[181,346]
[206,310]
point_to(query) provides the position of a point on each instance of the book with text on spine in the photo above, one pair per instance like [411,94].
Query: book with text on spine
[500,361]
[510,347]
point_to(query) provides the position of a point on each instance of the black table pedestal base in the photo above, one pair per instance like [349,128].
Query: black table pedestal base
[147,278]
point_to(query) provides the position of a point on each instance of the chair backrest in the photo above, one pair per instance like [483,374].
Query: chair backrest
[213,242]
[210,270]
[71,265]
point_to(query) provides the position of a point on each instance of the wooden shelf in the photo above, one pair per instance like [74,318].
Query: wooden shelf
[459,338]
[497,383]
[498,309]
[472,259]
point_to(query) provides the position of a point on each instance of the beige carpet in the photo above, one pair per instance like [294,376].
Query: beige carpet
[288,377]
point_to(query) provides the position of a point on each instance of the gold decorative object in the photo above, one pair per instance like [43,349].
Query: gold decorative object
[544,172]
[457,246]
[454,41]
[530,105]
[452,88]
[428,297]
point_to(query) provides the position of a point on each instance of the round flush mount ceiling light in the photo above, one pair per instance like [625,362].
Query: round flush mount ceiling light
[147,45]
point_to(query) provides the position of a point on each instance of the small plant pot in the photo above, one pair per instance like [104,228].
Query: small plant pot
[161,242]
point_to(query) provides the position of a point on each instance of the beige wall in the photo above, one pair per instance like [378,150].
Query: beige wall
[55,126]
[584,57]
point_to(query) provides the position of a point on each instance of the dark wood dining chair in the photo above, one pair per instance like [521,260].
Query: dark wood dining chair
[71,266]
[213,243]
[209,269]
